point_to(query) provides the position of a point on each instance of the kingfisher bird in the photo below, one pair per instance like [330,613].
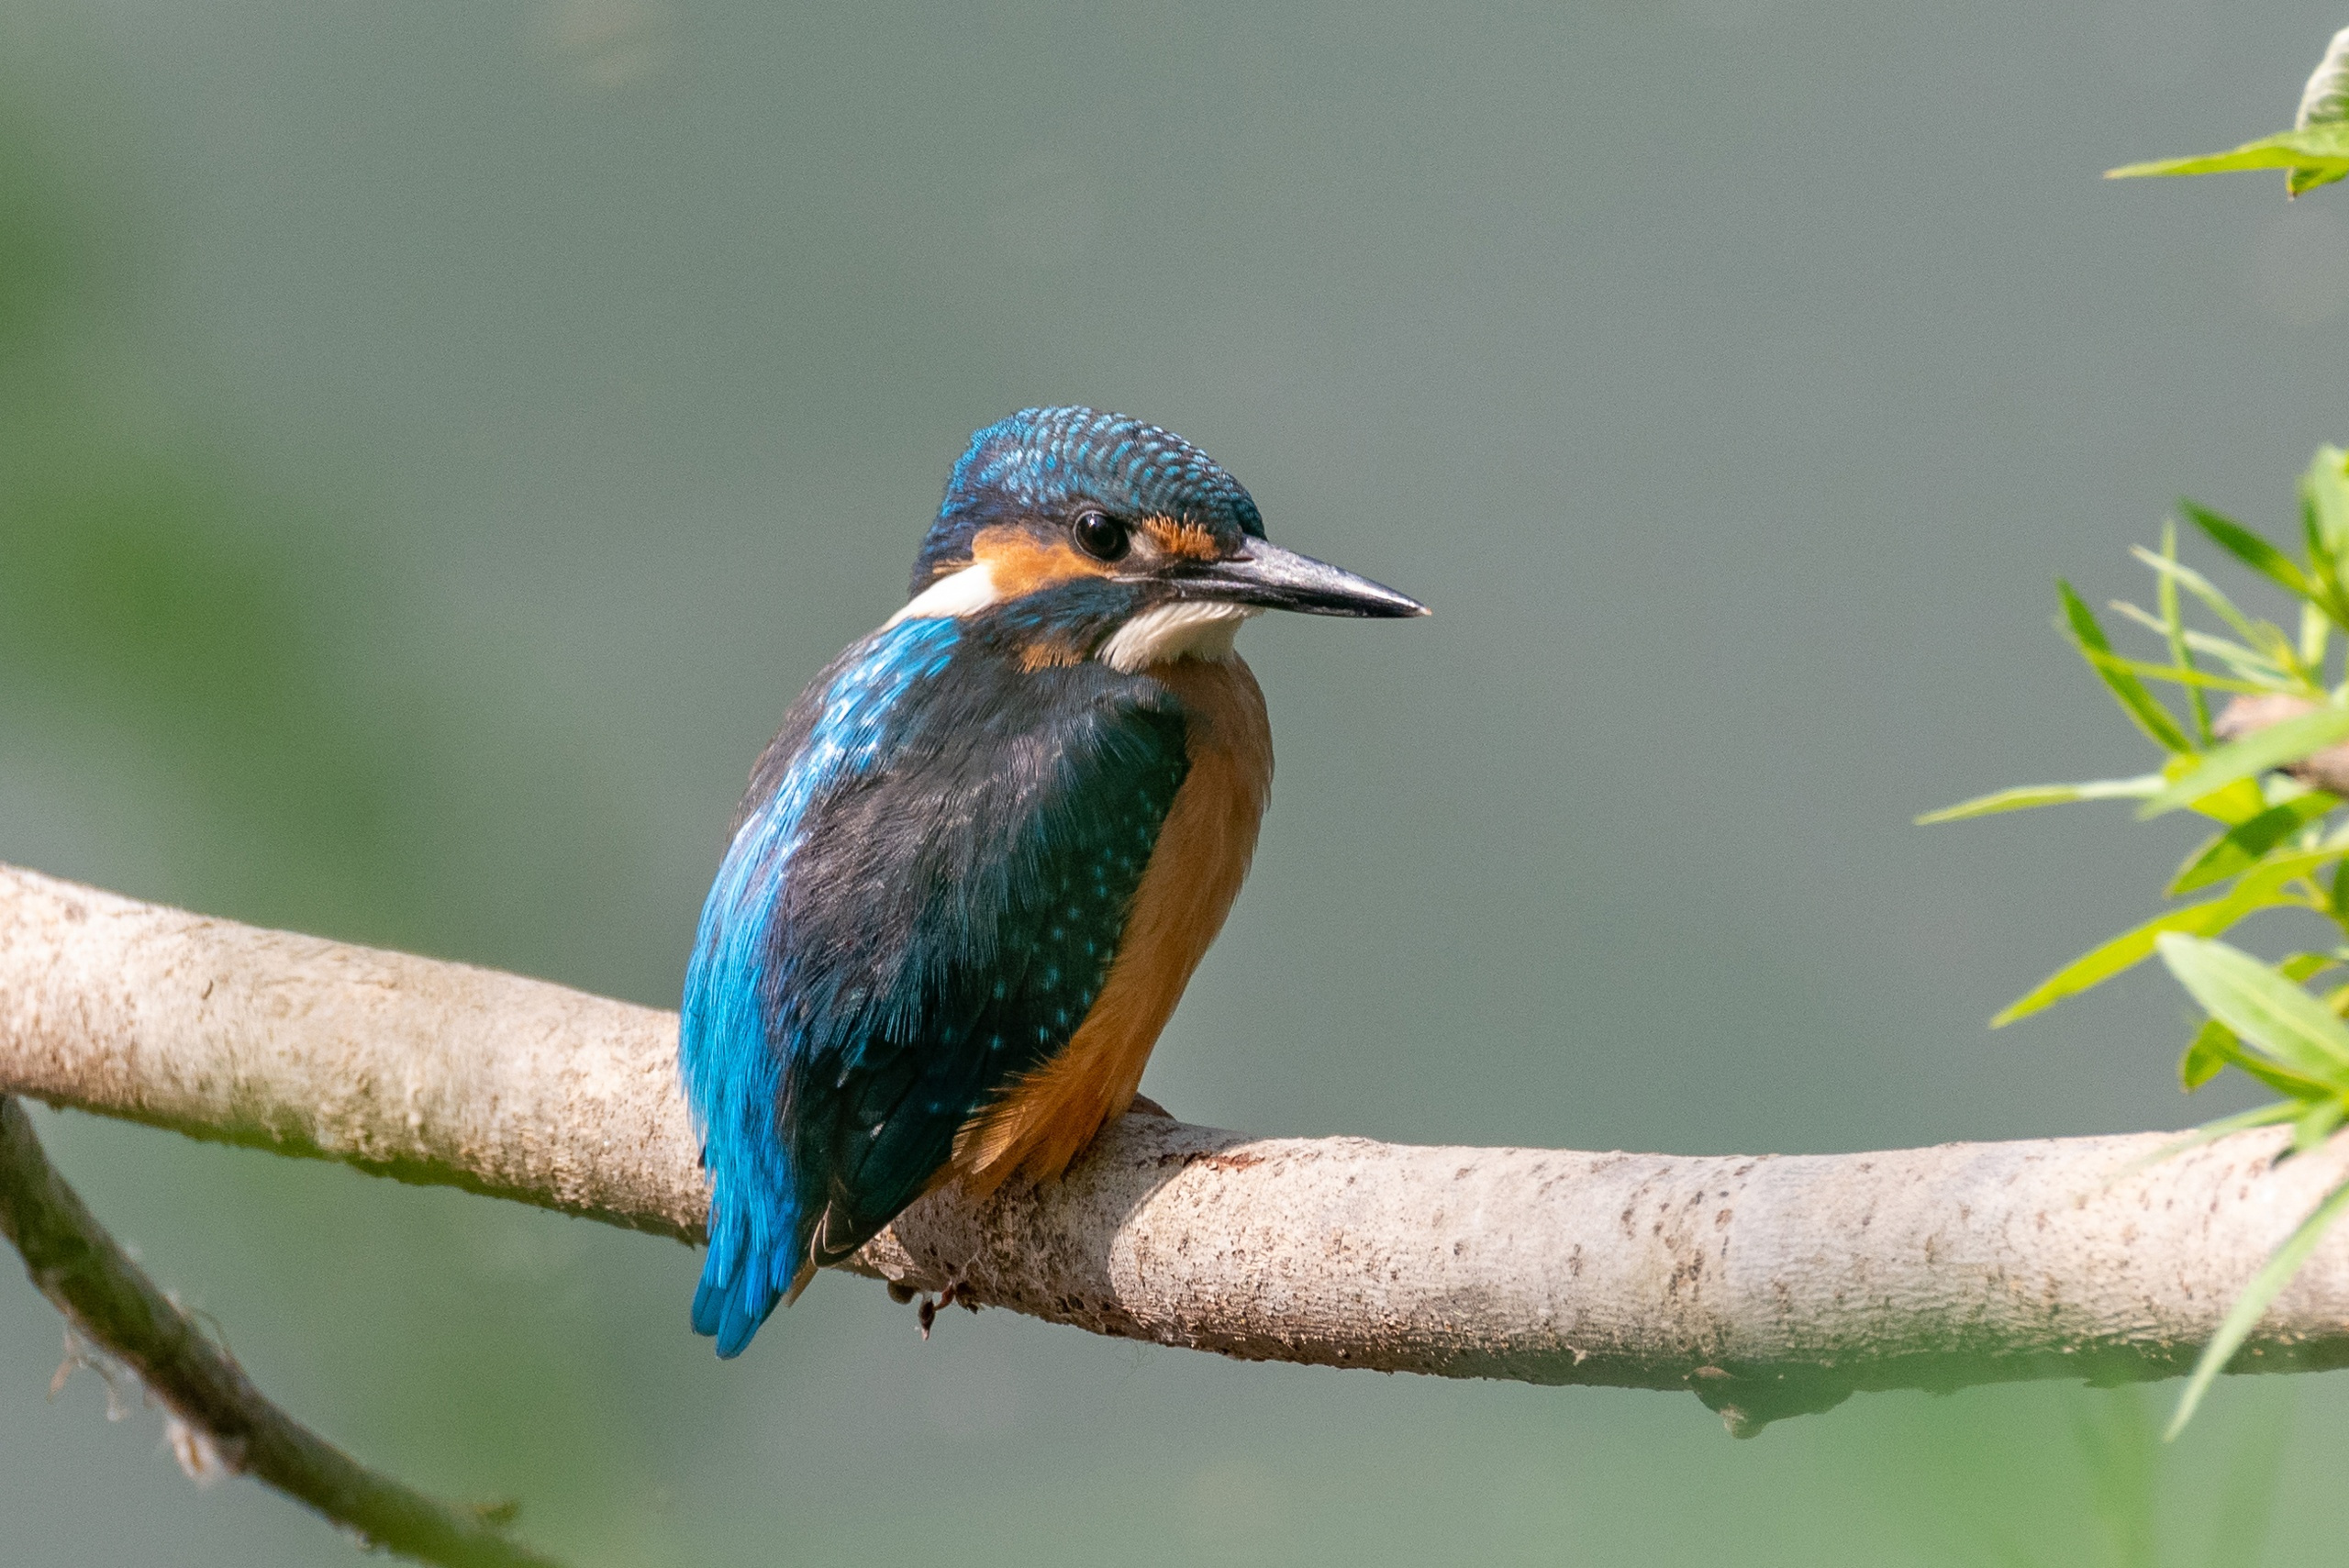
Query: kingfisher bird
[977,866]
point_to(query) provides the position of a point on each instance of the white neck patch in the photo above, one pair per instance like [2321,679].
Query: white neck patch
[956,593]
[1185,629]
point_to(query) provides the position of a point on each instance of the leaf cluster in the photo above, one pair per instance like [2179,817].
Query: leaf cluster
[2253,773]
[2314,152]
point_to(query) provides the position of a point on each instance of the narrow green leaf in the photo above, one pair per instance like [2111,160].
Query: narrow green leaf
[2202,588]
[2264,1288]
[2207,1055]
[2257,890]
[2303,966]
[2174,631]
[2254,669]
[2249,666]
[2258,885]
[2325,99]
[2024,797]
[2298,1087]
[2179,675]
[2239,846]
[2260,1006]
[2238,802]
[2322,149]
[2210,1132]
[2271,748]
[2134,700]
[2251,550]
[2319,1122]
[2316,630]
[2324,578]
[2214,1047]
[2324,499]
[2102,963]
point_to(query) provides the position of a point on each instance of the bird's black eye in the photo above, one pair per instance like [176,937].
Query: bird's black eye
[1101,537]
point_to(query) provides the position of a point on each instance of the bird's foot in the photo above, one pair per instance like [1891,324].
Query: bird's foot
[955,1291]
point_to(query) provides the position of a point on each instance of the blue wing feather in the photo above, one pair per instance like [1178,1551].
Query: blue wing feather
[922,895]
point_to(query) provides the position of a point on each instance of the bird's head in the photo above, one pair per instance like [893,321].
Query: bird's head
[1092,535]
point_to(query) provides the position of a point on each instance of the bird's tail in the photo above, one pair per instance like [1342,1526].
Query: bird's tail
[751,1266]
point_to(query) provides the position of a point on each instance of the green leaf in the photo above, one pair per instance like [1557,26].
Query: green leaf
[2238,802]
[2319,1122]
[2271,748]
[2134,700]
[2297,1088]
[2256,669]
[2320,150]
[2215,1047]
[2316,628]
[2256,891]
[2260,1006]
[2325,99]
[2207,1055]
[2174,633]
[2202,588]
[2324,499]
[2101,964]
[2264,1288]
[2210,1132]
[2324,578]
[2251,550]
[2024,797]
[2239,846]
[2176,675]
[2302,966]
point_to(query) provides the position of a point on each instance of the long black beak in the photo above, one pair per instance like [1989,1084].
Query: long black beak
[1271,578]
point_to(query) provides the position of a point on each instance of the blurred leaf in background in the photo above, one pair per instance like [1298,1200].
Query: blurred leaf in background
[2270,771]
[2314,152]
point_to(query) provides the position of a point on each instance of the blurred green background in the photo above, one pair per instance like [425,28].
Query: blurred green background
[438,440]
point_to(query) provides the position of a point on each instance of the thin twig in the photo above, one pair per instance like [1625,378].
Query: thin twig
[112,1305]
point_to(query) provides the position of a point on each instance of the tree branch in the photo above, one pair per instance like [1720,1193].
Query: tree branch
[79,1267]
[1768,1285]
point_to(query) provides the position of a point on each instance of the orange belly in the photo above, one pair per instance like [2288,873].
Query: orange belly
[1045,1121]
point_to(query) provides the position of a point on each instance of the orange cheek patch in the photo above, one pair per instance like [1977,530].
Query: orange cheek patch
[1186,540]
[1018,562]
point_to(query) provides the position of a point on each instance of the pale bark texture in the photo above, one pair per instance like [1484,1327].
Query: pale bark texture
[1767,1285]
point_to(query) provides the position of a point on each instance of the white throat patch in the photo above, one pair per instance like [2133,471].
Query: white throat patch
[1187,629]
[956,593]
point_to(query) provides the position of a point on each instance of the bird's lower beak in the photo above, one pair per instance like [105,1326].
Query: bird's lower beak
[1269,577]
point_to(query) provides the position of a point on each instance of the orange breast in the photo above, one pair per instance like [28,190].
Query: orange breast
[1201,858]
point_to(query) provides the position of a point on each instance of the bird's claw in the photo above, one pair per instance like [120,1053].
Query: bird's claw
[955,1291]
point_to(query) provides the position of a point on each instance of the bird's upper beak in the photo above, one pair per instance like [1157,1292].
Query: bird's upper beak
[1269,577]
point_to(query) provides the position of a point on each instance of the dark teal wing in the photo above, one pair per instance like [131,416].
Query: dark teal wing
[952,919]
[923,896]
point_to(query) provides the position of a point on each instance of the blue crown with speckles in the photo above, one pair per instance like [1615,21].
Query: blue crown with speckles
[1049,461]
